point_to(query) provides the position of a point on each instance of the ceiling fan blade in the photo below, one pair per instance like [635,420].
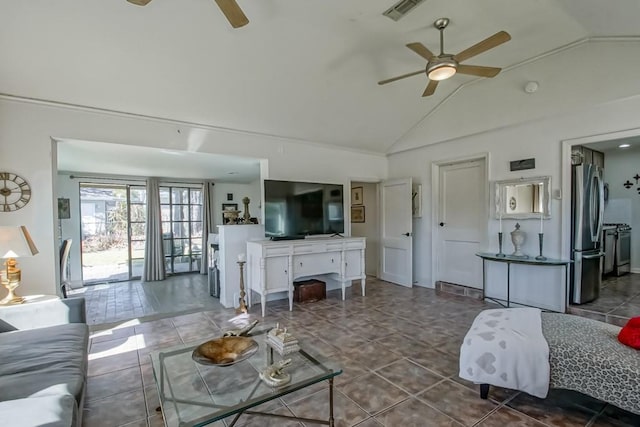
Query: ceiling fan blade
[393,79]
[421,50]
[486,44]
[431,88]
[477,70]
[232,11]
[139,2]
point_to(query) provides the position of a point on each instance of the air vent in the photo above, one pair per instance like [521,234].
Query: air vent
[401,8]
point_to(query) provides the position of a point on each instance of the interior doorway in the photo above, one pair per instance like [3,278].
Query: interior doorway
[365,221]
[460,216]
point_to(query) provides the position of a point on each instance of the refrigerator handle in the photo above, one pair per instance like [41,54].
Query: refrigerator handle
[594,256]
[600,206]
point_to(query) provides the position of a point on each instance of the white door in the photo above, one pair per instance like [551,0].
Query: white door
[462,219]
[396,249]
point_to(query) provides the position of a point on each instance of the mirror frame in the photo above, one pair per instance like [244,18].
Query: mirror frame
[500,189]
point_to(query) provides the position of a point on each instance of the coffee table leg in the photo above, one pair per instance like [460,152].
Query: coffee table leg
[331,402]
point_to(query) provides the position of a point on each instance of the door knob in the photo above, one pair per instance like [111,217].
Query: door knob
[442,224]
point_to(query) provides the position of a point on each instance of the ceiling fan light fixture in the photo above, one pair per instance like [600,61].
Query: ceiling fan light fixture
[441,68]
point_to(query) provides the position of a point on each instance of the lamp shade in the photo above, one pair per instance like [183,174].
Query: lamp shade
[15,242]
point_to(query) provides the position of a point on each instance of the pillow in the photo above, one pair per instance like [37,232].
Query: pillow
[630,333]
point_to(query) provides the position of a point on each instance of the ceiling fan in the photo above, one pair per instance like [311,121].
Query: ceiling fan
[230,8]
[442,66]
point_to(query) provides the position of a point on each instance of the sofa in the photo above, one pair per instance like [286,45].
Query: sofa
[43,363]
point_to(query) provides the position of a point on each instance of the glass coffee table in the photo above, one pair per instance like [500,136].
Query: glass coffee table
[192,394]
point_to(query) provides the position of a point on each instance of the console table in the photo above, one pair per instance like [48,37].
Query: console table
[272,266]
[509,259]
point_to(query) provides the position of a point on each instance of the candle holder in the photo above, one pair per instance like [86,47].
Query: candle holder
[242,307]
[540,242]
[500,254]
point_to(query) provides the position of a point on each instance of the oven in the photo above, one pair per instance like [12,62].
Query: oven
[623,251]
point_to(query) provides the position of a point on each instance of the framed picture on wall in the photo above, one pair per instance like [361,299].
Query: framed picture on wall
[356,196]
[64,211]
[357,213]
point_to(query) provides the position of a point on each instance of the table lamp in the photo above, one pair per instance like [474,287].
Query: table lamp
[15,242]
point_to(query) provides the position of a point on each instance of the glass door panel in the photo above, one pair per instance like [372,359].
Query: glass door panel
[113,231]
[182,228]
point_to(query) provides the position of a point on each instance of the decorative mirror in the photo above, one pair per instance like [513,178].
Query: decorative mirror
[524,198]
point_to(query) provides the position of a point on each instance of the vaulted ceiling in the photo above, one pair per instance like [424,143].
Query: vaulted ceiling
[302,69]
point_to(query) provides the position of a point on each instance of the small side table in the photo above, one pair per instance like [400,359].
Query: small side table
[509,259]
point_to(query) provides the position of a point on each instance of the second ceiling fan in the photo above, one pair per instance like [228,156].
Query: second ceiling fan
[230,8]
[442,66]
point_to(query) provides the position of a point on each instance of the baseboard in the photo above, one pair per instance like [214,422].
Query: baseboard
[635,270]
[460,290]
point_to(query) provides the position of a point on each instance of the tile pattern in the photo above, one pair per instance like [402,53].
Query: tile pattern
[114,302]
[399,350]
[619,300]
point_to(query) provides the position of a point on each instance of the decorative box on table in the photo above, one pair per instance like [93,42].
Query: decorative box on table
[282,341]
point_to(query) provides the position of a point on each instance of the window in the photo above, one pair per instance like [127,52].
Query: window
[181,228]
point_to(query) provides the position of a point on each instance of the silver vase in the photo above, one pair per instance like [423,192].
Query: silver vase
[517,238]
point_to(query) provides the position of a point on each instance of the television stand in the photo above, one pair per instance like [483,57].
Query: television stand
[336,234]
[272,267]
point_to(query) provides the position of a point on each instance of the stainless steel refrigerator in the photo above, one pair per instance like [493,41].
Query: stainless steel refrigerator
[587,211]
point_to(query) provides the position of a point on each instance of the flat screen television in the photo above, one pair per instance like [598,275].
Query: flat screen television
[293,210]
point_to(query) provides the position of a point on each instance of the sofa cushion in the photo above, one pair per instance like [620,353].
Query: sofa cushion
[44,361]
[49,411]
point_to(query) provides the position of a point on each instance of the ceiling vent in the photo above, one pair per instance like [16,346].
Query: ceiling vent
[401,8]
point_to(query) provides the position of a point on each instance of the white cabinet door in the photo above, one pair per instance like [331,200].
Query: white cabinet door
[353,264]
[276,273]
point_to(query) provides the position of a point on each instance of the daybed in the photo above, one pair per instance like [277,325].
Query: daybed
[43,363]
[584,355]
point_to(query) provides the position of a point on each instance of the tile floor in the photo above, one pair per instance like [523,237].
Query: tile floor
[619,300]
[399,351]
[114,302]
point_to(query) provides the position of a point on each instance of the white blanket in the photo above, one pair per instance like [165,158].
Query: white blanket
[506,348]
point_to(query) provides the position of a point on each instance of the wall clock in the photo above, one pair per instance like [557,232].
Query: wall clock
[15,192]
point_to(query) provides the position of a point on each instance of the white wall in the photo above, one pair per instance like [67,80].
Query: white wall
[26,148]
[540,139]
[624,203]
[370,228]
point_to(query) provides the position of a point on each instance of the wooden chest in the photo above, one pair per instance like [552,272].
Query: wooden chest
[309,290]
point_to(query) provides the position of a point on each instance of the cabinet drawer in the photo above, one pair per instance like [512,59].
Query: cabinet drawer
[308,264]
[309,248]
[276,250]
[357,244]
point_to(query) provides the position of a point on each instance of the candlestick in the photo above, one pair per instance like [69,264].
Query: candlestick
[500,254]
[541,223]
[540,240]
[500,217]
[242,307]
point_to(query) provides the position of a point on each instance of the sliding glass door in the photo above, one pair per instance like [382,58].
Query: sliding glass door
[113,231]
[181,227]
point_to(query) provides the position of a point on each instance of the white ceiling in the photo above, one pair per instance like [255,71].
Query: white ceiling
[114,159]
[305,69]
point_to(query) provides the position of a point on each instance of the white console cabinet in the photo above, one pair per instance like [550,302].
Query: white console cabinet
[272,266]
